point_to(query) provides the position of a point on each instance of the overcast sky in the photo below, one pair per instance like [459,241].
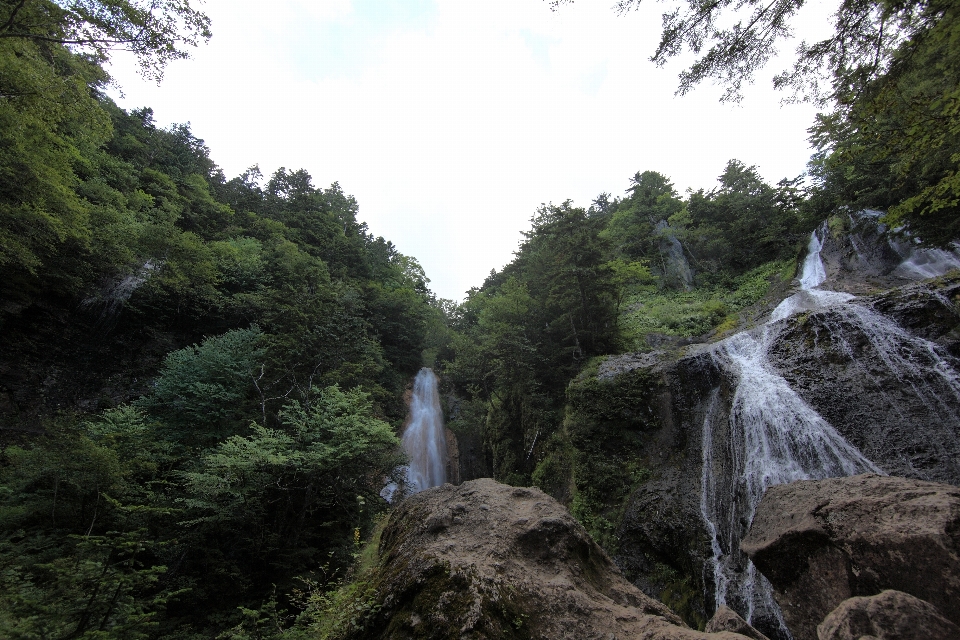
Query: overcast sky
[452,120]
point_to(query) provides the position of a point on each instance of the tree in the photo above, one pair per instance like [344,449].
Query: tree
[865,37]
[897,146]
[156,31]
[281,497]
[631,228]
[742,224]
[206,392]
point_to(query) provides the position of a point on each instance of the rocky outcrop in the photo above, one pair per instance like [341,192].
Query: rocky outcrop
[823,542]
[726,619]
[648,409]
[861,255]
[888,395]
[672,267]
[486,560]
[881,371]
[890,615]
[887,389]
[453,457]
[56,358]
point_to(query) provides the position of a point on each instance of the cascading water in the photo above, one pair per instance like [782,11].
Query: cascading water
[424,439]
[770,437]
[766,434]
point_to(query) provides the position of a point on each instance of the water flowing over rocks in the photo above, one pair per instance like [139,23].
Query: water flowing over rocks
[486,560]
[425,438]
[843,378]
[861,255]
[823,542]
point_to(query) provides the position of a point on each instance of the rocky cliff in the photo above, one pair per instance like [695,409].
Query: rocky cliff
[871,358]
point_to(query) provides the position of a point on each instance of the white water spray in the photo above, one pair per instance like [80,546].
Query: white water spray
[424,440]
[771,437]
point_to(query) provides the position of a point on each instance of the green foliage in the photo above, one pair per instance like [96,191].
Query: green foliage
[517,340]
[696,313]
[742,224]
[160,516]
[631,228]
[46,116]
[154,31]
[895,144]
[733,40]
[93,588]
[587,509]
[677,593]
[205,392]
[288,498]
[77,557]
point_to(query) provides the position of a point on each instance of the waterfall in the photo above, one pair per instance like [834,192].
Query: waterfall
[771,436]
[766,434]
[424,440]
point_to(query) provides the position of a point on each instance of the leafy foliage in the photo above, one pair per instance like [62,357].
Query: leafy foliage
[582,285]
[155,31]
[895,145]
[733,39]
[235,350]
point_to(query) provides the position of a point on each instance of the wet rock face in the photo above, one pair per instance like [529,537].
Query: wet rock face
[659,400]
[673,268]
[908,423]
[926,309]
[485,560]
[55,358]
[887,393]
[861,255]
[823,542]
[890,615]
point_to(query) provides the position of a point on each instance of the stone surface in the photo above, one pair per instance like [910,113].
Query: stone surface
[726,619]
[890,615]
[486,560]
[886,394]
[822,542]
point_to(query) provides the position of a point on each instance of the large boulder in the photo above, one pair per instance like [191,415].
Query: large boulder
[726,619]
[890,615]
[822,542]
[486,560]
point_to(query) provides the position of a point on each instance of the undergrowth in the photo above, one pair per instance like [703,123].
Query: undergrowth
[697,312]
[327,611]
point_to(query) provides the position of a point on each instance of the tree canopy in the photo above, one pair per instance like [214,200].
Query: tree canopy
[156,31]
[733,39]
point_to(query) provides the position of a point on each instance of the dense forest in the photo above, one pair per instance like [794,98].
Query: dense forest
[201,377]
[221,360]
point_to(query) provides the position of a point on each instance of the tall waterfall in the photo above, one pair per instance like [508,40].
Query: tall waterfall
[771,436]
[763,433]
[424,439]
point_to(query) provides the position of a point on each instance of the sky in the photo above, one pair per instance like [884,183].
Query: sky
[452,121]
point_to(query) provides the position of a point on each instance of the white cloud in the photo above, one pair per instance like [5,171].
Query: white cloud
[452,128]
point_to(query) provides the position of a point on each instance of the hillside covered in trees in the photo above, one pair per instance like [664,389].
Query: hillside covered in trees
[201,377]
